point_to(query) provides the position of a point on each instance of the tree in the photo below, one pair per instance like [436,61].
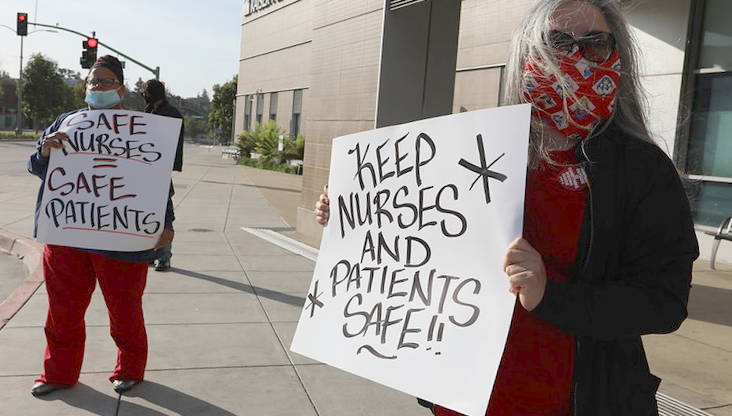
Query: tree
[44,93]
[195,125]
[222,108]
[4,75]
[75,89]
[76,96]
[265,140]
[133,99]
[70,76]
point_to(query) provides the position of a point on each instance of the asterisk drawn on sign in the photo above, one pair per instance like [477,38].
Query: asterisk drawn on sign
[313,298]
[484,171]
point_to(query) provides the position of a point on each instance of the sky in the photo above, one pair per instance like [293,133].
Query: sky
[195,43]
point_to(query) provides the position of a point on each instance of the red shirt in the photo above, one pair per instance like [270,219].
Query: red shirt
[535,374]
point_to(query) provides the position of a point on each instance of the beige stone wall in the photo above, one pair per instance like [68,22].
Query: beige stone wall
[476,89]
[485,30]
[277,29]
[275,56]
[486,27]
[342,98]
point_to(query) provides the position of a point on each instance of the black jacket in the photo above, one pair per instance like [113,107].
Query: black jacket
[165,109]
[631,278]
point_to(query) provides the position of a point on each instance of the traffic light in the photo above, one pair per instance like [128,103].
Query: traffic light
[22,24]
[89,54]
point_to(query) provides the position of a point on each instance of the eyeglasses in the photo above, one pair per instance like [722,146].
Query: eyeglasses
[595,46]
[104,82]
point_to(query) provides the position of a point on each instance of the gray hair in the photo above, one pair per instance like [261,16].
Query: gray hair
[528,40]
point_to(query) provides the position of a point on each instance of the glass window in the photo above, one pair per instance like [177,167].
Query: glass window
[711,202]
[296,111]
[709,146]
[247,112]
[716,50]
[710,138]
[260,106]
[297,101]
[273,106]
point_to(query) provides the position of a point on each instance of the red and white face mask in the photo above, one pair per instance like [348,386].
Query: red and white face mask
[595,87]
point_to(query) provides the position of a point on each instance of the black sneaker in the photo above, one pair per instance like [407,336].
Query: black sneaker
[162,265]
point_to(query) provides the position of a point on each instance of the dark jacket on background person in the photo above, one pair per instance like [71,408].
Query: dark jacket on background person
[165,109]
[631,278]
[38,165]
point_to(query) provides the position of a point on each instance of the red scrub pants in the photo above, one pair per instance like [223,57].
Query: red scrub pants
[71,277]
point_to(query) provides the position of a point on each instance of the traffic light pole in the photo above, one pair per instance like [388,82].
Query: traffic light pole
[19,114]
[155,71]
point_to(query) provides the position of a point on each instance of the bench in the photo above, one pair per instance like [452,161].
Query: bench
[230,152]
[723,233]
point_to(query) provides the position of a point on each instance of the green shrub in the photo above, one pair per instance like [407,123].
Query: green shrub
[264,139]
[268,165]
[12,135]
[294,149]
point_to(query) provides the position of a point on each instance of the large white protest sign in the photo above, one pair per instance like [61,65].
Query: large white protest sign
[409,288]
[108,188]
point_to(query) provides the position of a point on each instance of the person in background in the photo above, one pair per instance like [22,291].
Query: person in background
[157,103]
[71,274]
[608,241]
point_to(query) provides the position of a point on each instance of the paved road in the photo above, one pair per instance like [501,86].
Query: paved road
[17,193]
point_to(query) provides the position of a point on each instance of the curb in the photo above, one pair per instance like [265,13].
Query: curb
[30,252]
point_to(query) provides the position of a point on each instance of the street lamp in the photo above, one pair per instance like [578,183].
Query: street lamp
[19,114]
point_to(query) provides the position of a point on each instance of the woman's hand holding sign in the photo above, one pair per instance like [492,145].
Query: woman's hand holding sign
[526,273]
[322,207]
[523,264]
[53,141]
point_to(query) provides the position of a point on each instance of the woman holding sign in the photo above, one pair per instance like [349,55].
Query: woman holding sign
[71,274]
[608,240]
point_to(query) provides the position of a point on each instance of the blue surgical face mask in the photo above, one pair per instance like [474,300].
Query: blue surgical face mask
[102,99]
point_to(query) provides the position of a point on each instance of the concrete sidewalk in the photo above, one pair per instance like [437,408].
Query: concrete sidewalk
[12,274]
[220,324]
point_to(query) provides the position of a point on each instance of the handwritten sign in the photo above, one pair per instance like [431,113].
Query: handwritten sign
[409,289]
[108,187]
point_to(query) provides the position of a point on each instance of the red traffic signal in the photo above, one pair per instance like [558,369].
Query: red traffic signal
[22,24]
[89,54]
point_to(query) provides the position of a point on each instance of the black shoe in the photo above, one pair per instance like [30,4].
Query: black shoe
[41,389]
[121,386]
[162,265]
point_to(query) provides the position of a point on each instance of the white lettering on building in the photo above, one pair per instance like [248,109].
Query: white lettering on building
[253,6]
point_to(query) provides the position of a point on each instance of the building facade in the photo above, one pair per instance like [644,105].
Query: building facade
[324,68]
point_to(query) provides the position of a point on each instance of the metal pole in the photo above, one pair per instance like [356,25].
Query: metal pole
[19,115]
[233,121]
[155,71]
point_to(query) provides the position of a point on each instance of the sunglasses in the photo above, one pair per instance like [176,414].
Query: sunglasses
[595,46]
[104,82]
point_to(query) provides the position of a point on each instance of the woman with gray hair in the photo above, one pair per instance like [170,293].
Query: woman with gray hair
[608,243]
